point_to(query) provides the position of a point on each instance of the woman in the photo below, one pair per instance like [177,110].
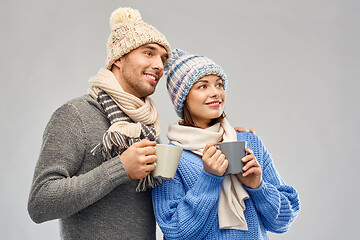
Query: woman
[202,203]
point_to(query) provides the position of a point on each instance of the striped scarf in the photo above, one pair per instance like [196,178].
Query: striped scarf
[131,120]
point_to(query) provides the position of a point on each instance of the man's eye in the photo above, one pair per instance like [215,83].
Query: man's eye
[148,53]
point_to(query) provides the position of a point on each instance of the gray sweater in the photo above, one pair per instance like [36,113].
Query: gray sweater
[93,199]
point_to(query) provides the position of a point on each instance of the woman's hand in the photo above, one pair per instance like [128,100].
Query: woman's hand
[251,177]
[214,160]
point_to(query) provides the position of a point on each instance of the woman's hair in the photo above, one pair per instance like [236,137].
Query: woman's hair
[188,120]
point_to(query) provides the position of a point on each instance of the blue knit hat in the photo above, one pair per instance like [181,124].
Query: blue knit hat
[183,70]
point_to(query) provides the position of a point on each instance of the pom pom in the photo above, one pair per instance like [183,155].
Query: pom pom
[175,54]
[121,15]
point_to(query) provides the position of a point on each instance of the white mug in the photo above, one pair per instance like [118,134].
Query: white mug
[168,157]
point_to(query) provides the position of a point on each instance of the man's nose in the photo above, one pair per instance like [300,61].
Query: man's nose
[158,63]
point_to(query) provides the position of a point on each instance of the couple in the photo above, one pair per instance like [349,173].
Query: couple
[97,153]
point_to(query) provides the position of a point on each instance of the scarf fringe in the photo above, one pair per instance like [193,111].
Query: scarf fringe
[108,147]
[148,182]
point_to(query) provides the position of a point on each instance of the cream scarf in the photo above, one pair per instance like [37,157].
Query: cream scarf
[231,200]
[138,119]
[138,110]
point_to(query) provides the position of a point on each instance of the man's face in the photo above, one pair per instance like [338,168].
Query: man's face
[141,69]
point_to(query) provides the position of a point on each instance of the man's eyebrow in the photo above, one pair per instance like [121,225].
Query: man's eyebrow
[165,55]
[149,47]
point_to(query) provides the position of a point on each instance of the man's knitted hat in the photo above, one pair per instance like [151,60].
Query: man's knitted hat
[183,70]
[129,32]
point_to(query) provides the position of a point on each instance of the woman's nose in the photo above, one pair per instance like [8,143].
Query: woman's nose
[215,92]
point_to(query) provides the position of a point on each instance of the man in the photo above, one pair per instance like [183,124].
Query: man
[96,147]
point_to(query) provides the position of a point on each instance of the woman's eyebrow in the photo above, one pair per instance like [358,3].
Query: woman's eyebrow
[206,81]
[201,81]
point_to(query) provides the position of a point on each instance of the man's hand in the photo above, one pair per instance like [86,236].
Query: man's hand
[241,129]
[214,160]
[138,159]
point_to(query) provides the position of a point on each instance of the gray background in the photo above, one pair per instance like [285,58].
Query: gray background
[294,77]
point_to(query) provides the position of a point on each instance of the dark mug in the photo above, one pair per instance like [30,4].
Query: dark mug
[234,152]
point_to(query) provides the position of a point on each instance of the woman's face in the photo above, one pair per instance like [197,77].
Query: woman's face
[206,100]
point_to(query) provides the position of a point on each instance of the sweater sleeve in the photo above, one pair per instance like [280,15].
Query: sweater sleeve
[187,214]
[57,190]
[277,203]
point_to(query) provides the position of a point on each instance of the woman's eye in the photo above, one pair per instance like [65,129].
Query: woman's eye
[202,86]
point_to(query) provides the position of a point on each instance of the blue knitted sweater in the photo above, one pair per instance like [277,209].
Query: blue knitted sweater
[186,207]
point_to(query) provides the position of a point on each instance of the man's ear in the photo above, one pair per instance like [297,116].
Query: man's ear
[117,63]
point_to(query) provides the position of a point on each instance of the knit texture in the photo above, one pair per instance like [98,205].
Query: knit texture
[231,200]
[91,198]
[140,111]
[128,32]
[183,70]
[131,118]
[186,207]
[114,143]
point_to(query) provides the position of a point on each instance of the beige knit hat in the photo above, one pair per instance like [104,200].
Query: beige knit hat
[128,32]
